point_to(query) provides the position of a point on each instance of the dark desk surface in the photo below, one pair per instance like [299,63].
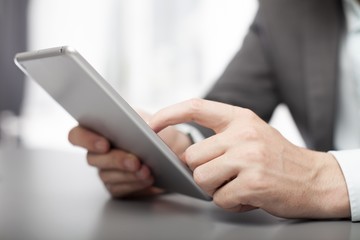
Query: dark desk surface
[54,195]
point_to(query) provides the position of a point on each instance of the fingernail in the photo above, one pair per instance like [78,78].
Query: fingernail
[130,164]
[101,145]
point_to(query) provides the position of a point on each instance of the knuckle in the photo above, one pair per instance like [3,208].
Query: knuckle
[117,159]
[219,200]
[188,158]
[258,181]
[196,104]
[129,157]
[253,155]
[72,135]
[258,154]
[200,177]
[248,113]
[249,133]
[91,160]
[262,151]
[237,112]
[230,200]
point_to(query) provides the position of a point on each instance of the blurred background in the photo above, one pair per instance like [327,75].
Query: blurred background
[154,52]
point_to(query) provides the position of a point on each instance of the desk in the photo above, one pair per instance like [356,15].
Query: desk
[50,195]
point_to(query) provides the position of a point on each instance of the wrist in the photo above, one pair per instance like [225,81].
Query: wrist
[329,190]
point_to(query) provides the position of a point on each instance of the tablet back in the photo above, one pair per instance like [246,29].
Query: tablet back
[82,92]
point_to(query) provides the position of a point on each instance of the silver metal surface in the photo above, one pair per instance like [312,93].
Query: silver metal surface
[55,195]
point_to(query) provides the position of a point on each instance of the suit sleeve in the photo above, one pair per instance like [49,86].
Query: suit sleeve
[248,81]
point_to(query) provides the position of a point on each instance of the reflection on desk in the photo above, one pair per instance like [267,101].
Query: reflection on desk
[55,195]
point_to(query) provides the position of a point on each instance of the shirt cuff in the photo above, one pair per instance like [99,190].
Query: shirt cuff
[193,132]
[349,161]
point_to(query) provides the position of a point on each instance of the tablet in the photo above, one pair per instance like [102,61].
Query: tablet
[86,96]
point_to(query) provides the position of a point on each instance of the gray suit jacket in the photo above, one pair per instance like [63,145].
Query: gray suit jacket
[290,56]
[13,21]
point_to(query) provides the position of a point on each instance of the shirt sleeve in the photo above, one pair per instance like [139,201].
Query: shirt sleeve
[194,134]
[349,161]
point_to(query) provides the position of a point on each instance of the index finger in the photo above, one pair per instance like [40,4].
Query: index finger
[209,114]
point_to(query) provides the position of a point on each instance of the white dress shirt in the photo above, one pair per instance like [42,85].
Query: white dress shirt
[347,129]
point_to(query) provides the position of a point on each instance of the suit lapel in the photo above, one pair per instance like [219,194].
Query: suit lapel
[322,28]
